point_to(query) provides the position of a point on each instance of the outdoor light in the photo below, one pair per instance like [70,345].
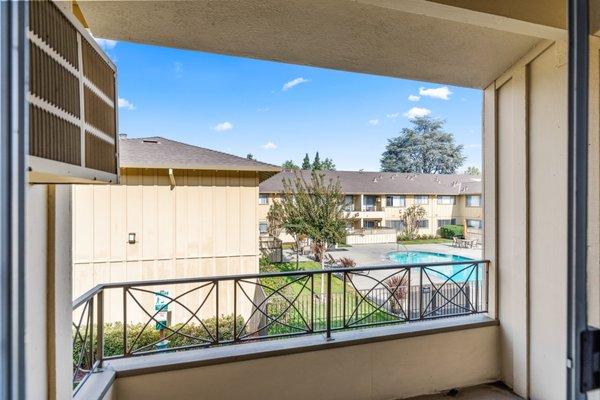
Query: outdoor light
[131,239]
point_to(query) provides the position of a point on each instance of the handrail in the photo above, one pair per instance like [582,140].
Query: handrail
[259,308]
[174,281]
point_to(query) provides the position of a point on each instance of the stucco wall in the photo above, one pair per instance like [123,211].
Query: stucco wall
[379,371]
[206,225]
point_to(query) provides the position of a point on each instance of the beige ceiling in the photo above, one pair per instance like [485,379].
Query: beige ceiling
[412,39]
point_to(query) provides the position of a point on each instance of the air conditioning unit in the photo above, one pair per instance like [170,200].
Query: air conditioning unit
[72,102]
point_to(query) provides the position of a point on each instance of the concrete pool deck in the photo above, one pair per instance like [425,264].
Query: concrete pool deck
[377,254]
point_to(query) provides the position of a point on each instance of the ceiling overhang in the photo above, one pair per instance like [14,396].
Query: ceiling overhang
[464,43]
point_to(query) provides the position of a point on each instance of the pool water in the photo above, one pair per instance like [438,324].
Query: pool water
[459,272]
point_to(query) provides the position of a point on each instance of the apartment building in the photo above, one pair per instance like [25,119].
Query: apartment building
[378,199]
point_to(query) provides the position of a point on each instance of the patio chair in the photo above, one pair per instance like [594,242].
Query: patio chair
[329,260]
[455,241]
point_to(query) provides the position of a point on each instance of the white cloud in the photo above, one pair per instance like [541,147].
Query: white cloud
[414,97]
[263,109]
[374,122]
[473,146]
[106,44]
[269,146]
[292,83]
[178,69]
[393,116]
[223,126]
[126,104]
[441,92]
[417,112]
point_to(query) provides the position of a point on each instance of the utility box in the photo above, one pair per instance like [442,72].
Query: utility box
[72,102]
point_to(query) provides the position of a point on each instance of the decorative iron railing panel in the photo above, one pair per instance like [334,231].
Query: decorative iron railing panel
[135,318]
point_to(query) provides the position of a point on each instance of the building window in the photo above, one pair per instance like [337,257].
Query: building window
[421,200]
[447,200]
[474,201]
[349,202]
[423,223]
[442,222]
[474,223]
[263,199]
[368,223]
[263,227]
[395,201]
[369,203]
[395,224]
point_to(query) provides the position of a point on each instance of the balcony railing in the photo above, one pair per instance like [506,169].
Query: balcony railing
[127,319]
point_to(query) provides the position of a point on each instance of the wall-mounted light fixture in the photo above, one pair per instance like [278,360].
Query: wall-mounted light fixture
[131,238]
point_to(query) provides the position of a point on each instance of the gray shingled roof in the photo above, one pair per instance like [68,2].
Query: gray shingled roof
[387,183]
[158,152]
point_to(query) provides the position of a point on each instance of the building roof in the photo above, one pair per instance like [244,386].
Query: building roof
[158,152]
[354,182]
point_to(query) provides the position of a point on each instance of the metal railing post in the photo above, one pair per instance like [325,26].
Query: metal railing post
[312,303]
[124,320]
[344,301]
[235,335]
[100,327]
[420,292]
[328,333]
[409,311]
[91,327]
[217,312]
[477,288]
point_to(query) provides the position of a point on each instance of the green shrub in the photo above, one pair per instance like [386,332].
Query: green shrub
[113,335]
[451,231]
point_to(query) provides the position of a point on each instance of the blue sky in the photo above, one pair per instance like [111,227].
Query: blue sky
[279,111]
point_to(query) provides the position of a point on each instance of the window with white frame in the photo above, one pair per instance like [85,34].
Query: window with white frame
[474,200]
[474,223]
[422,199]
[423,223]
[369,223]
[263,199]
[395,201]
[263,227]
[446,200]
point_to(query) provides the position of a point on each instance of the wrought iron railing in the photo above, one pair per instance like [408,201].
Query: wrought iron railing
[134,318]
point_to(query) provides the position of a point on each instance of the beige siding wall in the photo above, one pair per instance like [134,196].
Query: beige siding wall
[526,210]
[204,226]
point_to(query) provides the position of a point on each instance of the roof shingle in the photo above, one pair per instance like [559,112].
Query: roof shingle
[354,182]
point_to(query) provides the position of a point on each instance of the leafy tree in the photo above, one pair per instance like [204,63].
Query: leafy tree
[250,156]
[306,162]
[473,171]
[424,148]
[314,209]
[289,164]
[316,165]
[410,219]
[328,165]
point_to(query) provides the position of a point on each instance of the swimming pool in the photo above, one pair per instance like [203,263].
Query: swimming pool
[459,272]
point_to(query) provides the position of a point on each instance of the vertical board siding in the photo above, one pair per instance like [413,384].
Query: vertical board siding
[205,225]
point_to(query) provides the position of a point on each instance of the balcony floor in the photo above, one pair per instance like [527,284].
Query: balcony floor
[482,392]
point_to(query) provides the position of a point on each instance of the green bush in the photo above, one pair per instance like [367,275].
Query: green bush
[451,231]
[113,335]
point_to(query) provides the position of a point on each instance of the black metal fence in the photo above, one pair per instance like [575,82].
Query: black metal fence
[134,318]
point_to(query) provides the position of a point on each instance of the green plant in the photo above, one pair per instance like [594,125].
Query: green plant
[410,219]
[451,231]
[149,336]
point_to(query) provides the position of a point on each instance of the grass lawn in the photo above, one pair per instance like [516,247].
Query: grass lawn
[425,241]
[358,309]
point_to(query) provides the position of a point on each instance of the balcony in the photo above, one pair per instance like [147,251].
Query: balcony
[139,331]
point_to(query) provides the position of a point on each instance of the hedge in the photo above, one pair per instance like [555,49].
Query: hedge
[113,335]
[451,231]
